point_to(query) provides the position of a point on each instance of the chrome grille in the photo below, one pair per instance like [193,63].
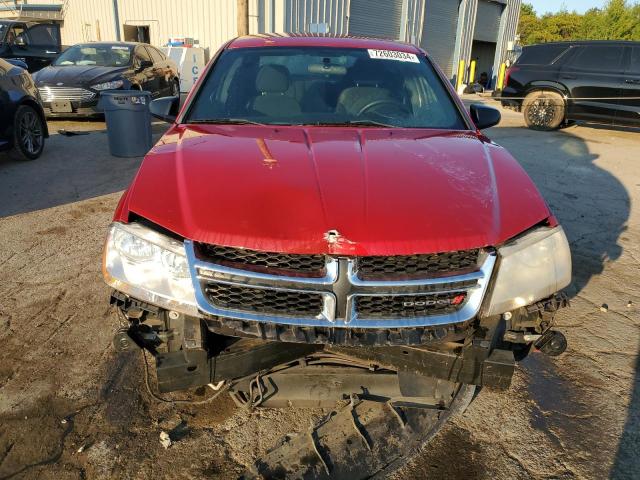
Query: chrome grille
[342,297]
[408,266]
[292,264]
[378,306]
[74,94]
[282,302]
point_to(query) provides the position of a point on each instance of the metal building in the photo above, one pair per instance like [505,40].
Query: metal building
[450,30]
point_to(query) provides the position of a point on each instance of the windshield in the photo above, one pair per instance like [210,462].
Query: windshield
[98,55]
[324,86]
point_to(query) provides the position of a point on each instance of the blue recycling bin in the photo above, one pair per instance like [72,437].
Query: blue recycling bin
[128,122]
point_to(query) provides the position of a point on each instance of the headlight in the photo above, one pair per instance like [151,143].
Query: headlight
[531,268]
[108,85]
[149,266]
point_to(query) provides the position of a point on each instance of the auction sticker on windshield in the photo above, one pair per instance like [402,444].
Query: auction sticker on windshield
[393,55]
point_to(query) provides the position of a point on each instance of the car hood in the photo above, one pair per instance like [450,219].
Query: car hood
[77,76]
[384,191]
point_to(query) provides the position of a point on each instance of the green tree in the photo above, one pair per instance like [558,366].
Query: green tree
[618,20]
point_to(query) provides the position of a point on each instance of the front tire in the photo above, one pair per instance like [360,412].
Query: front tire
[543,110]
[28,134]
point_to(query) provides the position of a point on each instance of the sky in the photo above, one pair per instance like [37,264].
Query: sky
[580,6]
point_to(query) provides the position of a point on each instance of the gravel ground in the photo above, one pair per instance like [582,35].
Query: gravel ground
[71,408]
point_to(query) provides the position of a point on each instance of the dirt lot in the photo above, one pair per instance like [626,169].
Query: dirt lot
[71,408]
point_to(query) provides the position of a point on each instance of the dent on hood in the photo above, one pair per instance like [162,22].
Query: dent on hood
[285,188]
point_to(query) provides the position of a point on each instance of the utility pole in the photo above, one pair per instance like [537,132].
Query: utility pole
[116,19]
[243,17]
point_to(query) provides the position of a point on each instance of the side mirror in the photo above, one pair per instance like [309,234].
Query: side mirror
[483,116]
[19,42]
[165,108]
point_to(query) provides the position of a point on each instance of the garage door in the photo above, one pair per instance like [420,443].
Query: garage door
[439,32]
[375,18]
[488,21]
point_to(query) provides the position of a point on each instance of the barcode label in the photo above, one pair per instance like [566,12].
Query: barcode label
[393,55]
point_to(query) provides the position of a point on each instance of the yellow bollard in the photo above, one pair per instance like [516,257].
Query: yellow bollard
[460,78]
[472,72]
[503,68]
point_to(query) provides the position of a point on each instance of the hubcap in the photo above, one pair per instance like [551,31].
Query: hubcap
[542,112]
[30,132]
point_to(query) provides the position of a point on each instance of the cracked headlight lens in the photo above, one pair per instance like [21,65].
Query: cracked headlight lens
[149,266]
[532,267]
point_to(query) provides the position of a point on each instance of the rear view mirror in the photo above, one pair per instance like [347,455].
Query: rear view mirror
[165,108]
[483,116]
[19,42]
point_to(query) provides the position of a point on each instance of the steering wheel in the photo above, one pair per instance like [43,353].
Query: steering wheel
[377,103]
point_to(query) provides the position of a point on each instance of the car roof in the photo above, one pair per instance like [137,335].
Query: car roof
[586,42]
[124,44]
[320,40]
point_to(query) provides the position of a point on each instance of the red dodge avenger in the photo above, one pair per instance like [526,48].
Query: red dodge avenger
[328,207]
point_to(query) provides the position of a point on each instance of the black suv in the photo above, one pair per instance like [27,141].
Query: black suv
[36,44]
[596,81]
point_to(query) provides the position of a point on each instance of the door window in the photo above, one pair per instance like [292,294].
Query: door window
[155,55]
[142,55]
[43,35]
[14,33]
[635,60]
[598,58]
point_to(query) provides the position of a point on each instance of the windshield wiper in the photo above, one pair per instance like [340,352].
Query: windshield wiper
[227,121]
[363,123]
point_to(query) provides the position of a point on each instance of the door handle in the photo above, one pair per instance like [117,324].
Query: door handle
[633,81]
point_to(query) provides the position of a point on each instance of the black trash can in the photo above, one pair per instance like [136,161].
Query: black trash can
[128,122]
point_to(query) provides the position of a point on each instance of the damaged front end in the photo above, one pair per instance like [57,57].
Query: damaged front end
[310,330]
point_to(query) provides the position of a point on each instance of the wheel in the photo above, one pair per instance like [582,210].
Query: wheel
[175,88]
[28,134]
[543,110]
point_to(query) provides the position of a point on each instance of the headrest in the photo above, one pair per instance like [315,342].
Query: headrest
[272,79]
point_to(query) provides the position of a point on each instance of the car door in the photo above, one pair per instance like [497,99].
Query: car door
[629,109]
[160,71]
[6,114]
[593,76]
[145,74]
[37,44]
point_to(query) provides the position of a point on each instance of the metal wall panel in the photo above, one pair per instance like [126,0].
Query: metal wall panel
[210,22]
[415,21]
[466,24]
[439,32]
[299,15]
[508,29]
[488,20]
[376,18]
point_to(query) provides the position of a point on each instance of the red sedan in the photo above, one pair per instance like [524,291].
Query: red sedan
[321,202]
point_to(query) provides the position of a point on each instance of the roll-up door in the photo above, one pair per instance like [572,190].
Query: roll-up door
[375,18]
[439,32]
[488,21]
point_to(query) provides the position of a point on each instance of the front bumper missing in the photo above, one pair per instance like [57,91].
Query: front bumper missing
[471,365]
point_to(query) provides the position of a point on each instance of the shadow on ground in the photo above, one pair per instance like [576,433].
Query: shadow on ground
[71,169]
[593,206]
